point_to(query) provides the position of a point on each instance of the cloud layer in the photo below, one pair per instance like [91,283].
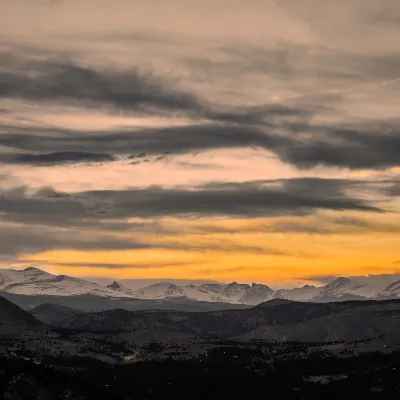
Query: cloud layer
[274,133]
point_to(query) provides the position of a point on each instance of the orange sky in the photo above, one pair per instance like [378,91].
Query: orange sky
[247,252]
[226,140]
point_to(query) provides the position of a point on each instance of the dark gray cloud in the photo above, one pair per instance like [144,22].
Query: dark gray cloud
[24,239]
[358,146]
[286,129]
[248,199]
[375,145]
[56,79]
[394,189]
[18,240]
[37,79]
[56,158]
[151,142]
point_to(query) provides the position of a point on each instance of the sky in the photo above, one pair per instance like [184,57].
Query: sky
[223,140]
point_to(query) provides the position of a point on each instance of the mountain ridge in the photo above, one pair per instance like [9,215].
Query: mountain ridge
[35,282]
[12,316]
[274,320]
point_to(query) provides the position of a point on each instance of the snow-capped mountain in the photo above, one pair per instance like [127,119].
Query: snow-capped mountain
[163,290]
[235,293]
[351,289]
[10,278]
[34,282]
[341,287]
[305,293]
[120,288]
[391,291]
[256,294]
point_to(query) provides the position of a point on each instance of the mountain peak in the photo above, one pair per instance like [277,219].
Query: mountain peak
[339,282]
[33,269]
[34,281]
[114,286]
[12,315]
[391,290]
[257,285]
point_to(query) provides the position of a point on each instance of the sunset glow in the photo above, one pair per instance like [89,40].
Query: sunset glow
[136,143]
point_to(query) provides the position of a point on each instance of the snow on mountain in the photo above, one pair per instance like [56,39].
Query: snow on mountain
[163,290]
[305,293]
[10,277]
[256,294]
[340,289]
[33,281]
[225,293]
[120,288]
[392,291]
[347,288]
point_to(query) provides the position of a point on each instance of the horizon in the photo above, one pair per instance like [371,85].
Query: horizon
[377,280]
[136,144]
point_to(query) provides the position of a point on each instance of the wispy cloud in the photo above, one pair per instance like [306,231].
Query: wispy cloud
[120,100]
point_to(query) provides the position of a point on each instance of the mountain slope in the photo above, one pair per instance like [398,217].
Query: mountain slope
[305,293]
[52,314]
[233,293]
[221,323]
[12,316]
[163,290]
[93,303]
[11,278]
[364,287]
[119,288]
[347,327]
[390,291]
[33,281]
[273,320]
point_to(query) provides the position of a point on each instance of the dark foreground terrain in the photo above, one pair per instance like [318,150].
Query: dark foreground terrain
[228,371]
[279,349]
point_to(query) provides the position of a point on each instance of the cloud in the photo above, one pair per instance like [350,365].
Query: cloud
[288,129]
[36,79]
[24,239]
[324,225]
[394,189]
[56,158]
[308,64]
[101,265]
[378,280]
[176,139]
[50,77]
[248,199]
[372,145]
[226,246]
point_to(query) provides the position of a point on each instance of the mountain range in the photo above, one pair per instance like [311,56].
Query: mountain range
[35,282]
[276,320]
[13,317]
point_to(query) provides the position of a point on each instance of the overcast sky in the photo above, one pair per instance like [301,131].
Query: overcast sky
[247,140]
